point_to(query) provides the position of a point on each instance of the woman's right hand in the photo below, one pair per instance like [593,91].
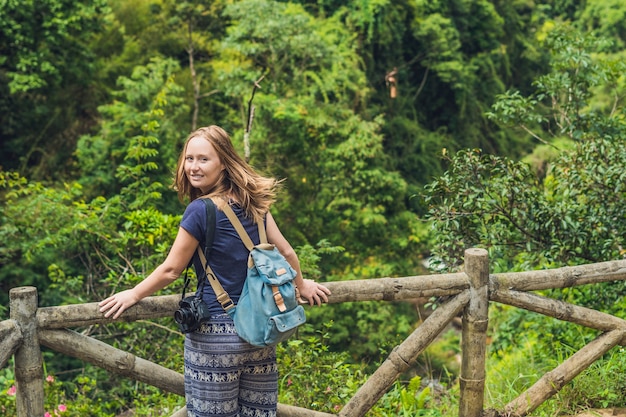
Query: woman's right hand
[118,303]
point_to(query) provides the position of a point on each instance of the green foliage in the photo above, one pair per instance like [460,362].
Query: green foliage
[314,377]
[607,19]
[46,81]
[441,361]
[565,100]
[34,32]
[310,257]
[368,330]
[407,399]
[599,386]
[572,215]
[510,375]
[56,233]
[602,385]
[79,398]
[138,142]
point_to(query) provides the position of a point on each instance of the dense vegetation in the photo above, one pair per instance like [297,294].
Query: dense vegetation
[405,130]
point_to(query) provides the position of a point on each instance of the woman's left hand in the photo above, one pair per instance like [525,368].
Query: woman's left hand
[313,292]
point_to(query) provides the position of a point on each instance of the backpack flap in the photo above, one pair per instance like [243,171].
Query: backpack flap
[271,265]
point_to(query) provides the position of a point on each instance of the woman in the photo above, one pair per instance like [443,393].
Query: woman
[224,375]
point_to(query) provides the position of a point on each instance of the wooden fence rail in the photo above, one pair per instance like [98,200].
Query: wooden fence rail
[468,293]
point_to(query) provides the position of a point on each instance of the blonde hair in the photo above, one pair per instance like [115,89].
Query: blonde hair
[254,193]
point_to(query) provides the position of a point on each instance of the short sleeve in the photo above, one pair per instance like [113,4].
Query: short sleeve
[194,220]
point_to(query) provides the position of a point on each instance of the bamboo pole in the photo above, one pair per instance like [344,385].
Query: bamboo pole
[285,410]
[379,289]
[397,289]
[28,359]
[78,315]
[560,310]
[10,339]
[553,381]
[403,356]
[113,360]
[474,334]
[569,276]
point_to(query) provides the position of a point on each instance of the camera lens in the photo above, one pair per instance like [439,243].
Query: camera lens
[183,316]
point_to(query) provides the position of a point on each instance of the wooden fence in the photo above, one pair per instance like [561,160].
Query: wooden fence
[468,293]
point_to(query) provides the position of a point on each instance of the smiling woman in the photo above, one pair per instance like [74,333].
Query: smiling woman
[224,375]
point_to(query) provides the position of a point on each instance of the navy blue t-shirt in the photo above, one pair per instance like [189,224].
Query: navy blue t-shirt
[228,256]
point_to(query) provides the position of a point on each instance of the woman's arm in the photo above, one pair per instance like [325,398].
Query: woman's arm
[177,260]
[313,292]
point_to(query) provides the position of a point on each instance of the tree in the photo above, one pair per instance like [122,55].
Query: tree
[567,213]
[308,130]
[138,142]
[45,80]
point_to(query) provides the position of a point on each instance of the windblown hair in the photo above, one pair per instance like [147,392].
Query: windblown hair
[255,193]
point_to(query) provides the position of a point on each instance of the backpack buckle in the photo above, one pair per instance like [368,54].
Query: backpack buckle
[278,299]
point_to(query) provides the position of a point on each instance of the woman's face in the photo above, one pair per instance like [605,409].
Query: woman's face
[202,164]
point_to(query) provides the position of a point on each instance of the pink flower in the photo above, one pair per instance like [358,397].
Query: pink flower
[337,407]
[50,378]
[11,391]
[62,407]
[289,382]
[328,390]
[47,414]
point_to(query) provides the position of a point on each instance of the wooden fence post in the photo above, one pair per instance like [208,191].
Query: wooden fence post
[28,359]
[474,334]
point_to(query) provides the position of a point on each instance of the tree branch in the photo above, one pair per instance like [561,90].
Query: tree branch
[246,136]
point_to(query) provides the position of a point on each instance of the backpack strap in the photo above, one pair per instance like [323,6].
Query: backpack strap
[278,298]
[208,242]
[245,238]
[210,225]
[222,296]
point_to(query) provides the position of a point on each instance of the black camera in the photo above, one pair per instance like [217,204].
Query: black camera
[191,314]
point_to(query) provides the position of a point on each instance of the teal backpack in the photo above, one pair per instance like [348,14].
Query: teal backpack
[268,310]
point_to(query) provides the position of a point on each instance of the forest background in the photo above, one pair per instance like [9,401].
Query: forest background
[405,131]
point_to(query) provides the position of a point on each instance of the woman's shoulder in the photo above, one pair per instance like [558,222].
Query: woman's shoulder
[200,202]
[195,209]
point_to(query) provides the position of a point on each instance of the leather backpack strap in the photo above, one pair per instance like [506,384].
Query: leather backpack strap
[262,233]
[278,298]
[222,296]
[241,230]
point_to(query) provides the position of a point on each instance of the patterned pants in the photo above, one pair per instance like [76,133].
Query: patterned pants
[226,376]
